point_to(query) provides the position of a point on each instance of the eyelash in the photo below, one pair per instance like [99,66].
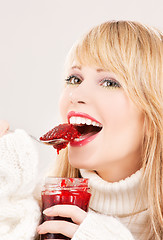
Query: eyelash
[70,79]
[111,83]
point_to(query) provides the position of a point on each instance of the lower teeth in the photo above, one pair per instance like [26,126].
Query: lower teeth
[79,139]
[82,137]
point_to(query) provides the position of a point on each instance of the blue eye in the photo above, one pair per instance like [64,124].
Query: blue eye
[110,83]
[74,80]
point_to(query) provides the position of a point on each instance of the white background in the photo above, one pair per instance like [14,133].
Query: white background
[35,36]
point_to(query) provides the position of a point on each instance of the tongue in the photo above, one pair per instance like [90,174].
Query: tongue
[87,129]
[84,136]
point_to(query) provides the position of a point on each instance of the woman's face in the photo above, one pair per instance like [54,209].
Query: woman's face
[112,147]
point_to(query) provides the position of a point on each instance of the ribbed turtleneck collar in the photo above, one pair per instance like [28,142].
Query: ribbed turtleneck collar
[118,198]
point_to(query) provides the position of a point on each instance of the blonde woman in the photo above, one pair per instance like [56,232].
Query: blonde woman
[114,80]
[114,94]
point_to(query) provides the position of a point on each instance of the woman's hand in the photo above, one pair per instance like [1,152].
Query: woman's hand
[66,228]
[4,126]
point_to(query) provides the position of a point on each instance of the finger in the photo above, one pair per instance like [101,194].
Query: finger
[4,126]
[74,212]
[66,228]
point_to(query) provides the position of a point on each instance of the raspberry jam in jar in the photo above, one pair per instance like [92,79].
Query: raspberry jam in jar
[72,191]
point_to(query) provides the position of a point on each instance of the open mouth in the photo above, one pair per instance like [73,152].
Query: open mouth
[85,126]
[86,131]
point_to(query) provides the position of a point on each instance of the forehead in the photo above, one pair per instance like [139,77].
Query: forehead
[104,61]
[79,65]
[97,69]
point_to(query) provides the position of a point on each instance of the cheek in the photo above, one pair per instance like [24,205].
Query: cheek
[114,108]
[122,118]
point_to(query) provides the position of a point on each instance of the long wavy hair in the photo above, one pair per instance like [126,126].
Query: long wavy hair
[134,52]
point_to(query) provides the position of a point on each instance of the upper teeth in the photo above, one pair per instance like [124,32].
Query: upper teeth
[82,120]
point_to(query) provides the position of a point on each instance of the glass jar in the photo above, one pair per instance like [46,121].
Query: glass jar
[72,191]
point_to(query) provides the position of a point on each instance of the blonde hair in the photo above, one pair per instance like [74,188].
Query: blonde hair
[134,52]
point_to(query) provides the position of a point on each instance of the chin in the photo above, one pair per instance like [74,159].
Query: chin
[83,159]
[78,163]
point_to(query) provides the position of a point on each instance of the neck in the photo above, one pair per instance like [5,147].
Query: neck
[118,170]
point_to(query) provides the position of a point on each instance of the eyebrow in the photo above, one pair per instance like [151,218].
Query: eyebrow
[98,69]
[78,67]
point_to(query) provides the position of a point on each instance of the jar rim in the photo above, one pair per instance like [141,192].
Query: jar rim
[63,182]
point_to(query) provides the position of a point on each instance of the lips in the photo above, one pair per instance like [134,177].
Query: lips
[82,115]
[86,140]
[88,126]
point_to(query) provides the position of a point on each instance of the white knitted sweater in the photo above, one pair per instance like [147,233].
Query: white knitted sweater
[19,211]
[111,205]
[113,214]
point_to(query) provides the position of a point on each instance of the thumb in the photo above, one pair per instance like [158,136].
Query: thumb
[4,126]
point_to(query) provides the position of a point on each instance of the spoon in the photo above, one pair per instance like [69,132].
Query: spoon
[53,142]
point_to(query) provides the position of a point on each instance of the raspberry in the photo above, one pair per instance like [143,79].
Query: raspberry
[60,146]
[66,131]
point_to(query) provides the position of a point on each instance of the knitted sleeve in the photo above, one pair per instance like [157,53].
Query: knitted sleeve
[98,226]
[19,211]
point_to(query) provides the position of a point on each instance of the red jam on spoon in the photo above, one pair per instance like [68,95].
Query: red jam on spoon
[65,131]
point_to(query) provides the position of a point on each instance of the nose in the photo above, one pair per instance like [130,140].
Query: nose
[79,95]
[75,98]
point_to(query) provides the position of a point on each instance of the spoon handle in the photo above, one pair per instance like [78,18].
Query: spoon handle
[47,142]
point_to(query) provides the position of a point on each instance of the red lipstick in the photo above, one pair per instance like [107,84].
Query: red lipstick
[81,114]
